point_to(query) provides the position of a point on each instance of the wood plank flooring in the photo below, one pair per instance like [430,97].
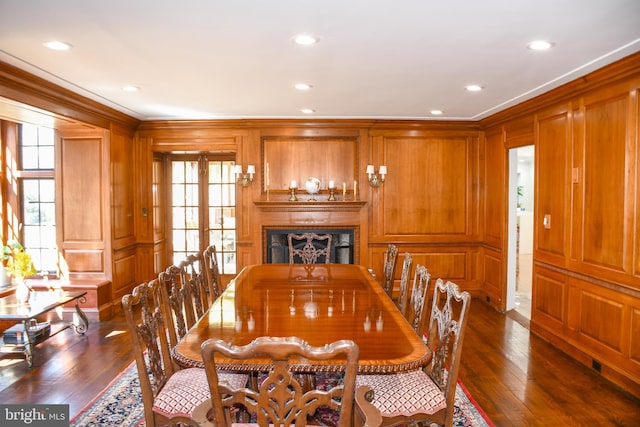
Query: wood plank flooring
[517,378]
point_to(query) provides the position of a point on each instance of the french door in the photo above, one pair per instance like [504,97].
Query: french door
[203,206]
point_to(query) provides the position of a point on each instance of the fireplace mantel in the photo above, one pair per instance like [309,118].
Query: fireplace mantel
[305,216]
[306,206]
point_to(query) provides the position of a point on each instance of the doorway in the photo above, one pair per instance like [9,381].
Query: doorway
[520,238]
[201,196]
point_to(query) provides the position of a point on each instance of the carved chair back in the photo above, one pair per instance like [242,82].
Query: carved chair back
[447,325]
[193,278]
[403,297]
[389,268]
[417,308]
[311,248]
[183,290]
[280,399]
[427,396]
[145,321]
[212,272]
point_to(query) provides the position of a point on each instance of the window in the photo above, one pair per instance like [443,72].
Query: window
[203,208]
[37,195]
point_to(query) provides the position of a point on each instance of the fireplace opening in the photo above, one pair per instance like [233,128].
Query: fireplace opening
[342,244]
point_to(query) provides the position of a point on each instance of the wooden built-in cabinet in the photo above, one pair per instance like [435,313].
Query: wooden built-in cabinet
[444,200]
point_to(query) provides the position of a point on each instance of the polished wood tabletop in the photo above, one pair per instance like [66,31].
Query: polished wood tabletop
[318,303]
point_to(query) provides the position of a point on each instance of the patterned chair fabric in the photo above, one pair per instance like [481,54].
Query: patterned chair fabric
[424,396]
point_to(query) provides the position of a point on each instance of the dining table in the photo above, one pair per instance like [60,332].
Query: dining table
[320,303]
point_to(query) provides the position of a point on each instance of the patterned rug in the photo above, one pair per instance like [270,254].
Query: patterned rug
[120,404]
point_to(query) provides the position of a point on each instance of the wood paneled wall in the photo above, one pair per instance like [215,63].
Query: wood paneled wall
[586,281]
[444,200]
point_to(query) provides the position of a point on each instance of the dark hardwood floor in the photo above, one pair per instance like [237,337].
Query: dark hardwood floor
[517,378]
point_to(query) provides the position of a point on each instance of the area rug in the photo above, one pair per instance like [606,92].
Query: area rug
[120,405]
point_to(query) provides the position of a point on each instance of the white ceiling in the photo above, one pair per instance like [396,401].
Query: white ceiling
[395,59]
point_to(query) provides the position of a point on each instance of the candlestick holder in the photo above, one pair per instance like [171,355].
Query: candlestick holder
[293,197]
[332,194]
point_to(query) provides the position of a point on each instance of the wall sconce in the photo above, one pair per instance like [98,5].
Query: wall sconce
[373,177]
[246,178]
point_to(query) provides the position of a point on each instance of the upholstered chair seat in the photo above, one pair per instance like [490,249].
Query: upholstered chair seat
[187,388]
[404,394]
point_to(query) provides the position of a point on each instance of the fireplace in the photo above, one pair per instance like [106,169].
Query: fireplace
[276,247]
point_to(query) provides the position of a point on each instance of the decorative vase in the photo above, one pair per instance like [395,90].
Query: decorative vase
[312,185]
[23,291]
[5,280]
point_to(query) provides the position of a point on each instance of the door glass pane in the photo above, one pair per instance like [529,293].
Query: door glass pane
[217,198]
[222,221]
[185,206]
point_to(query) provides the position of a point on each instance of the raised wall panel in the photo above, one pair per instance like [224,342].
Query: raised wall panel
[122,192]
[551,187]
[124,274]
[84,261]
[493,190]
[428,188]
[449,265]
[601,320]
[492,269]
[634,336]
[605,174]
[298,159]
[81,175]
[548,298]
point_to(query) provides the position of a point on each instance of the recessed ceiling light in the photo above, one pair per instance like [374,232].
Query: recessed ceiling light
[540,45]
[130,88]
[302,86]
[436,112]
[56,45]
[305,39]
[308,111]
[473,88]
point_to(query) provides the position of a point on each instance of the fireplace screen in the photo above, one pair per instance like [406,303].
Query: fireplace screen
[342,244]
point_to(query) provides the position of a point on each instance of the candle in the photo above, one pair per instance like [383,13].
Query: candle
[332,184]
[266,174]
[355,189]
[294,184]
[344,190]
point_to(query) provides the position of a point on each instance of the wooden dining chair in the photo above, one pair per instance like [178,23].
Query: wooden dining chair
[183,290]
[423,396]
[280,400]
[198,292]
[311,248]
[175,297]
[403,297]
[388,269]
[212,272]
[169,396]
[417,308]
